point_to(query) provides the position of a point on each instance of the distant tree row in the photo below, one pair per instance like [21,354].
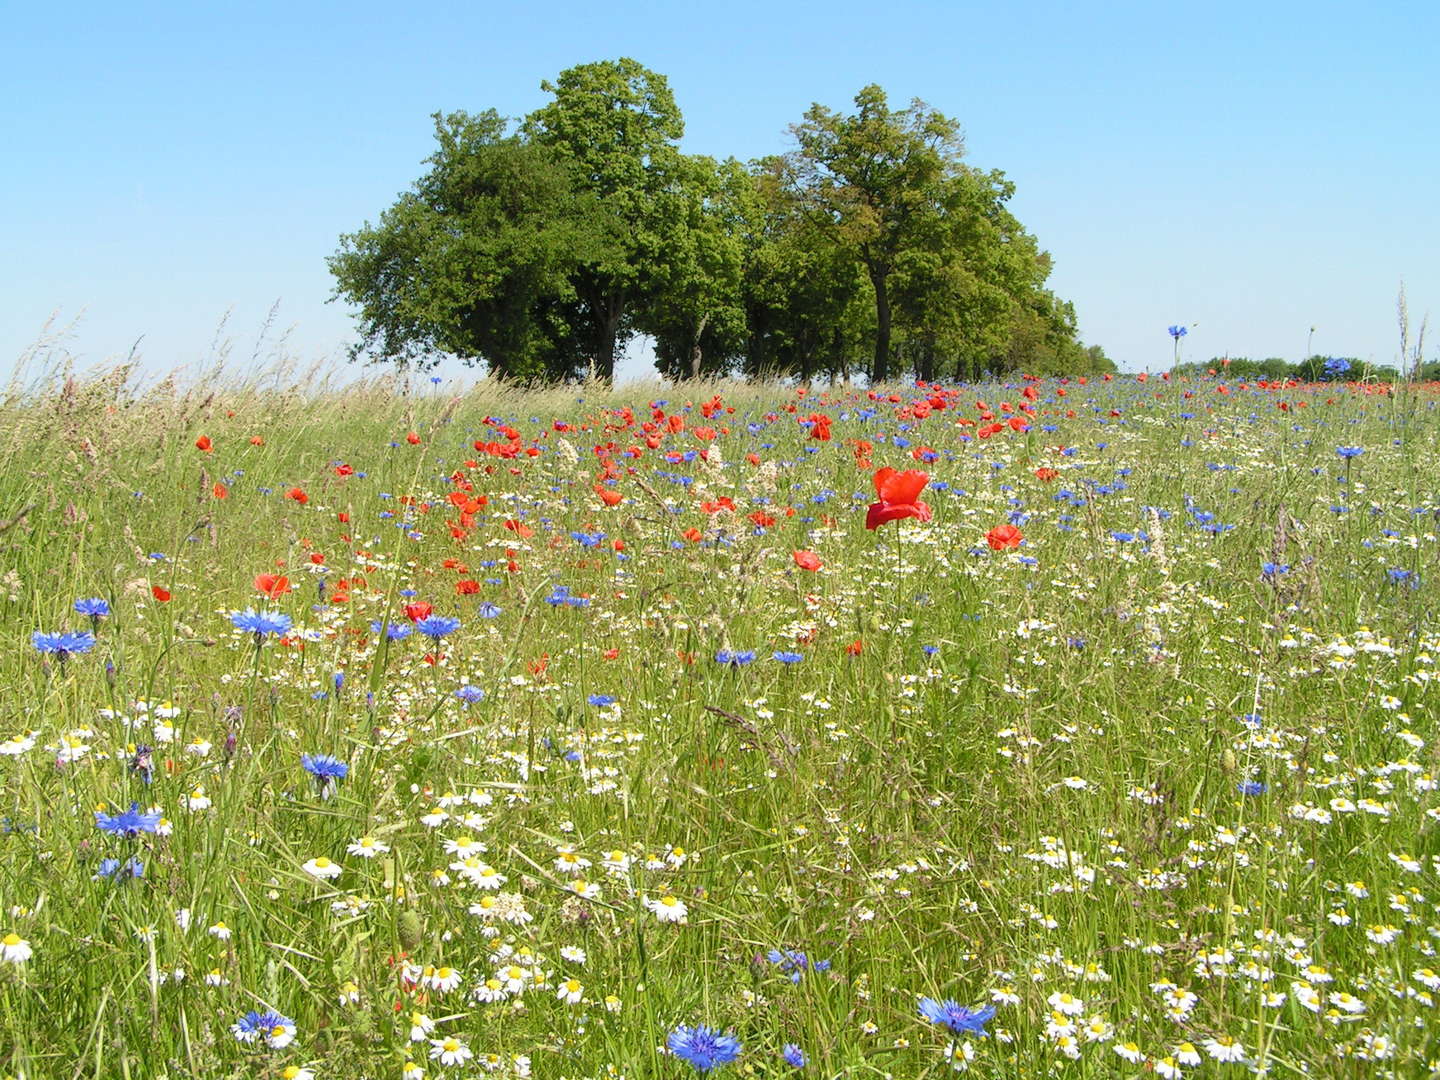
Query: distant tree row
[1312,369]
[541,248]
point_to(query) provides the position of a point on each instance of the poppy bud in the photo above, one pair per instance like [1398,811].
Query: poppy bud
[409,929]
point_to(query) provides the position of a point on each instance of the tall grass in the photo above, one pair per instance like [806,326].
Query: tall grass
[1163,775]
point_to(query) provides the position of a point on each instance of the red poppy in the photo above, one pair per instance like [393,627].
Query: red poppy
[467,587]
[256,440]
[855,648]
[344,470]
[807,560]
[1046,473]
[160,593]
[1004,537]
[298,495]
[272,585]
[519,528]
[219,490]
[413,439]
[899,497]
[203,443]
[609,496]
[417,611]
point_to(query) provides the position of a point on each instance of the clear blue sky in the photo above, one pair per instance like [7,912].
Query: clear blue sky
[1255,169]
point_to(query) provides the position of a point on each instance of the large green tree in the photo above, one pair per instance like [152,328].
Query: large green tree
[694,310]
[616,124]
[874,180]
[477,260]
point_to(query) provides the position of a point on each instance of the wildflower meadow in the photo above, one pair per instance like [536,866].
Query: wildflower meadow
[1063,727]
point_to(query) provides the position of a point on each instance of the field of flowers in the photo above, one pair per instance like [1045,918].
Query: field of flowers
[1053,728]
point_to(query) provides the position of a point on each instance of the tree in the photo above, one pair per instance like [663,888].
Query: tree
[872,182]
[476,261]
[694,309]
[801,290]
[616,124]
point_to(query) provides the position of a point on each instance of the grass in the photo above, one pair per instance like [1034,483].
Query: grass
[1158,781]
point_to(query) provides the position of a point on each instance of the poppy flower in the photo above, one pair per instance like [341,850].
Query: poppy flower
[413,439]
[899,497]
[807,560]
[160,593]
[1046,473]
[855,648]
[272,585]
[608,496]
[417,611]
[219,490]
[204,443]
[298,495]
[1004,537]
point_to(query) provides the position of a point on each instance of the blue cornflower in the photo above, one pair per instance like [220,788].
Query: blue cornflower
[735,658]
[130,824]
[793,1055]
[326,770]
[955,1016]
[703,1047]
[1336,365]
[94,606]
[1250,787]
[470,694]
[63,645]
[261,623]
[1177,332]
[601,700]
[789,657]
[1400,576]
[438,626]
[1272,569]
[1349,452]
[275,1029]
[488,610]
[393,631]
[114,868]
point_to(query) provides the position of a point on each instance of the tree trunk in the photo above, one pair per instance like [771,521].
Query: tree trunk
[696,356]
[610,311]
[927,363]
[880,369]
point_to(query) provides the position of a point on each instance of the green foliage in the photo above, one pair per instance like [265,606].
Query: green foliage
[542,251]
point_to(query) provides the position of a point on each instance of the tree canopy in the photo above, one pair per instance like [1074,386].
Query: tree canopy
[540,248]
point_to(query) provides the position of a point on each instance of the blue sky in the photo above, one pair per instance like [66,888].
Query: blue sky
[1252,169]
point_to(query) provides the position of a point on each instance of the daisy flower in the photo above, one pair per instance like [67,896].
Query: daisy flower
[322,868]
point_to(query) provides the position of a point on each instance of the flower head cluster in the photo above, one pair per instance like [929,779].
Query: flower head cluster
[325,769]
[436,627]
[95,607]
[955,1016]
[129,824]
[703,1047]
[261,623]
[63,645]
[270,1027]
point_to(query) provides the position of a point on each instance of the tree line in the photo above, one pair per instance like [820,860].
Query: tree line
[1317,368]
[542,247]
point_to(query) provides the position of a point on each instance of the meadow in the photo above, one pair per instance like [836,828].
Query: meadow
[406,730]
